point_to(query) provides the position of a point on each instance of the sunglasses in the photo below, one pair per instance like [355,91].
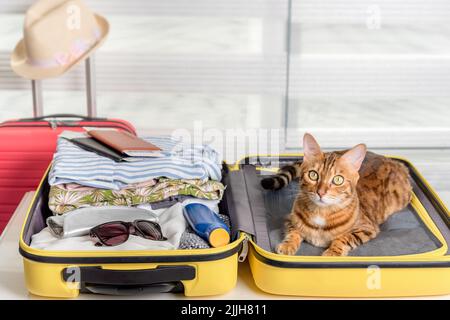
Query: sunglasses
[117,232]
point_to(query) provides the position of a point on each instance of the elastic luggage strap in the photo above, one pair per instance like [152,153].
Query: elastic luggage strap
[246,204]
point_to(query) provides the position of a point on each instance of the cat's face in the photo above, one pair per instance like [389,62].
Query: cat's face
[326,181]
[329,179]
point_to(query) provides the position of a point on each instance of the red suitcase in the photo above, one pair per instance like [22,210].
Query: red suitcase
[27,146]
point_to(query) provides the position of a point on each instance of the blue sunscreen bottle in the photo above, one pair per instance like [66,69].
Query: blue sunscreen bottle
[207,224]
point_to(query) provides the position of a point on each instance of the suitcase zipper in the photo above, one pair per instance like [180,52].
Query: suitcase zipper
[53,124]
[244,251]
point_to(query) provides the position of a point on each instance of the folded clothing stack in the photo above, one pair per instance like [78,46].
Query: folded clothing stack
[161,192]
[81,180]
[71,164]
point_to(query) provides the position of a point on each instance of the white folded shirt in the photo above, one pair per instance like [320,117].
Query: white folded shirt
[171,220]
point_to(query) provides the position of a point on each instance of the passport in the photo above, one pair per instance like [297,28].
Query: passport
[125,143]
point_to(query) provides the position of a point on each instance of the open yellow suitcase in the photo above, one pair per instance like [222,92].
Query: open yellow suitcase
[409,258]
[199,272]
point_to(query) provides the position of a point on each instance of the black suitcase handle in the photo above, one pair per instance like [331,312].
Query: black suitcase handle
[127,282]
[63,116]
[134,290]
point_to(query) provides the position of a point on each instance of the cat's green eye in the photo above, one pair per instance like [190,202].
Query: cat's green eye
[338,180]
[313,175]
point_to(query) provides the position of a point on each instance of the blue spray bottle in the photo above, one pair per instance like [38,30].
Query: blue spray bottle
[207,224]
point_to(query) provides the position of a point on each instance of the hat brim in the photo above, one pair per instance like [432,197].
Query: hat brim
[21,65]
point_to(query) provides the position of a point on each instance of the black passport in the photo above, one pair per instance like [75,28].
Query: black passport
[92,145]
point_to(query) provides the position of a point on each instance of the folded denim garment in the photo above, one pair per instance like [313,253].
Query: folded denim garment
[172,224]
[79,222]
[65,198]
[184,200]
[168,202]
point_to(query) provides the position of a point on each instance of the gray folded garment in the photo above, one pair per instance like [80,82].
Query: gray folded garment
[80,221]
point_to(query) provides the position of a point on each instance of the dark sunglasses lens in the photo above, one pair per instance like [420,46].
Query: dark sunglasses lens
[150,230]
[112,234]
[115,241]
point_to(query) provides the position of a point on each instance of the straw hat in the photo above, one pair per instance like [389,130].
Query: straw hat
[57,35]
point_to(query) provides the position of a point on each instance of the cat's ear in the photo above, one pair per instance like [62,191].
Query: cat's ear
[311,148]
[355,156]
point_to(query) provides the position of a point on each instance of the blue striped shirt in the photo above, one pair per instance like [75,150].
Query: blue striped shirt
[71,164]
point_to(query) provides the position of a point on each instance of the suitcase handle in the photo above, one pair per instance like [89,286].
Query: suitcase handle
[63,115]
[91,100]
[134,290]
[122,282]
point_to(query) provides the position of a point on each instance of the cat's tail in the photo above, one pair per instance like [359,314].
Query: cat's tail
[284,176]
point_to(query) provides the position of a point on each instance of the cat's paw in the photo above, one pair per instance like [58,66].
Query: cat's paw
[331,252]
[287,248]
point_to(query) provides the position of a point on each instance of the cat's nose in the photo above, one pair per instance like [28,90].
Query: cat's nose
[321,192]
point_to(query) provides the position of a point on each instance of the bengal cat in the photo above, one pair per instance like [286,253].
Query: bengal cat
[344,197]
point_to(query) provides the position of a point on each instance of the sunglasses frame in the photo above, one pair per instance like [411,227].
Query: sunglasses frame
[132,228]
